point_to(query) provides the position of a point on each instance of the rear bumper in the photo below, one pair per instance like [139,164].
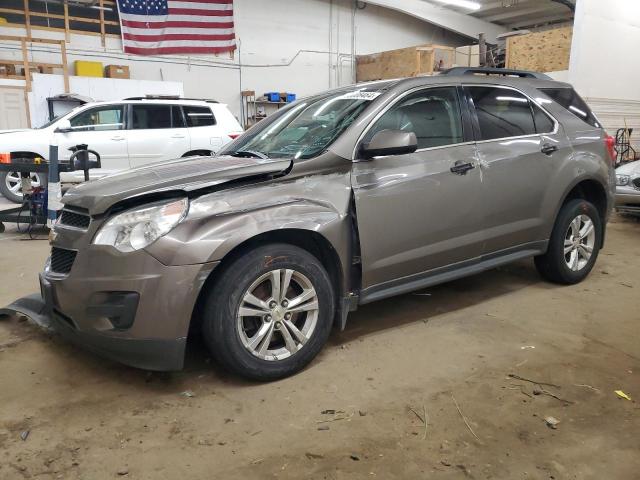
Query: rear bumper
[145,353]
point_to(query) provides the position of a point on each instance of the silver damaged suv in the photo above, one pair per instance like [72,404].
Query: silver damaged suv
[338,200]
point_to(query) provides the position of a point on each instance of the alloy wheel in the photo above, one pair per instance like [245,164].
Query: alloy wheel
[278,314]
[14,182]
[579,242]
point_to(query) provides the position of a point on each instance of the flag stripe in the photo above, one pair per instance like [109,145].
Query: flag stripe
[177,36]
[178,31]
[200,11]
[174,50]
[156,27]
[176,24]
[204,6]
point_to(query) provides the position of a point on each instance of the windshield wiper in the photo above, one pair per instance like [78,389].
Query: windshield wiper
[250,153]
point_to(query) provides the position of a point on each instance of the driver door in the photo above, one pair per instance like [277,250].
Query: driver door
[415,215]
[102,129]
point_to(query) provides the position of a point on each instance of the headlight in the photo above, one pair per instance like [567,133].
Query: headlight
[622,180]
[139,227]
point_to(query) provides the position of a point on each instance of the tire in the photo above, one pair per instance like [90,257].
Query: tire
[13,194]
[574,266]
[229,330]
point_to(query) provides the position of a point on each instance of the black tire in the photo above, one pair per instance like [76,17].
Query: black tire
[223,300]
[553,265]
[9,195]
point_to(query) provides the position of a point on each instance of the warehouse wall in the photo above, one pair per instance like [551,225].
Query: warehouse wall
[603,66]
[302,46]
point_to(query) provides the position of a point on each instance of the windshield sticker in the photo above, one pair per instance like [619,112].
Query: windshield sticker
[360,95]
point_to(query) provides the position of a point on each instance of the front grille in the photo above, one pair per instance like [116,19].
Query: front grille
[62,260]
[74,219]
[636,182]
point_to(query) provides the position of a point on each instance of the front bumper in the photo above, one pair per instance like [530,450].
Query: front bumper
[627,200]
[128,307]
[148,354]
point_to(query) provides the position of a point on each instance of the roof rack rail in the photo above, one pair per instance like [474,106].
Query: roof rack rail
[171,97]
[505,72]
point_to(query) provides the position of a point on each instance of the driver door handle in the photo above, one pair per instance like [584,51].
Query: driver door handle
[177,135]
[461,167]
[548,149]
[117,138]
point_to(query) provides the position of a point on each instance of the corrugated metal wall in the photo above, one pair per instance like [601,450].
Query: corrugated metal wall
[615,114]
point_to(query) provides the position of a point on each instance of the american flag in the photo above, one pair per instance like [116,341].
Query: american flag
[156,27]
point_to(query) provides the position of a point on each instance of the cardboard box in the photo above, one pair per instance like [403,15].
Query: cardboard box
[45,69]
[89,69]
[117,71]
[7,69]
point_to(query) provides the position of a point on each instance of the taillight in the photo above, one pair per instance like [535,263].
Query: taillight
[233,136]
[5,158]
[610,142]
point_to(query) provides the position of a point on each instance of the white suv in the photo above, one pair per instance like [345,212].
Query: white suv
[127,134]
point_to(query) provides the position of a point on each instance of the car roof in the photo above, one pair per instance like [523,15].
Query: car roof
[160,101]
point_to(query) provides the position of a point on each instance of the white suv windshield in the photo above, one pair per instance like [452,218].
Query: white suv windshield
[306,128]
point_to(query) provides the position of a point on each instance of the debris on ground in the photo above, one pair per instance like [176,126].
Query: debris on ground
[362,413]
[584,385]
[24,435]
[313,456]
[188,393]
[355,458]
[464,419]
[621,394]
[518,377]
[551,422]
[323,427]
[527,347]
[123,471]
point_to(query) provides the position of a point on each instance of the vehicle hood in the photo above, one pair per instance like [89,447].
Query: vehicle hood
[17,130]
[36,141]
[631,168]
[186,175]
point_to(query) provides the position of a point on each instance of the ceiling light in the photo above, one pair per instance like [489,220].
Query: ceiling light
[462,3]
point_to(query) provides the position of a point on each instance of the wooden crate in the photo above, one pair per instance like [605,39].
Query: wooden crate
[545,51]
[403,62]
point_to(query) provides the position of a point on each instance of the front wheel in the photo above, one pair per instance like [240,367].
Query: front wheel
[11,184]
[574,244]
[269,312]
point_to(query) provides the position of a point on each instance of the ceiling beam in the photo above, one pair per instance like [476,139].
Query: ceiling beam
[565,17]
[441,16]
[515,12]
[495,6]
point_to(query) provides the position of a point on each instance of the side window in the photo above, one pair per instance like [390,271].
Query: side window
[433,114]
[150,117]
[108,117]
[198,116]
[502,112]
[177,120]
[569,99]
[544,124]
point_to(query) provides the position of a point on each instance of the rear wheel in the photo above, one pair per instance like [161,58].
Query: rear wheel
[11,184]
[574,244]
[269,312]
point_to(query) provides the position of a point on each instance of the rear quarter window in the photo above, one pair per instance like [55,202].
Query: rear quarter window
[571,101]
[198,116]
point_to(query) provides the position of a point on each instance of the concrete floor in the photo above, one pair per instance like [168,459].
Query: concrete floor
[454,349]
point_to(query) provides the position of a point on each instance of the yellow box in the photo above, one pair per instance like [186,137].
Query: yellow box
[89,69]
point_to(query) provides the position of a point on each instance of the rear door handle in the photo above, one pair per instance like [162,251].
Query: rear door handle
[461,168]
[548,149]
[117,138]
[177,136]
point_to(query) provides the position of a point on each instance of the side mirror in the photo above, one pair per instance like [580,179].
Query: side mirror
[63,126]
[390,142]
